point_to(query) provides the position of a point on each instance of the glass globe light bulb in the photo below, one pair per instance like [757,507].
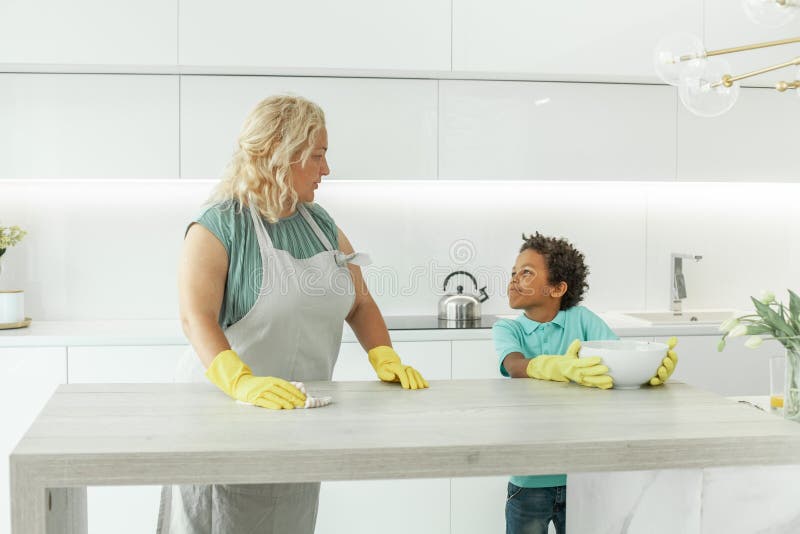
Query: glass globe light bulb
[770,13]
[701,89]
[674,53]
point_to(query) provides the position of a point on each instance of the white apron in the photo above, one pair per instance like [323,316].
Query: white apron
[293,331]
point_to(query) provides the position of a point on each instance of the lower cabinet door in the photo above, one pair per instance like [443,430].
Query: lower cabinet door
[430,358]
[478,505]
[385,506]
[123,364]
[123,509]
[388,506]
[28,378]
[475,359]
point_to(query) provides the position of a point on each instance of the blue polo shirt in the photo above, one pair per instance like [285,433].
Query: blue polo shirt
[533,339]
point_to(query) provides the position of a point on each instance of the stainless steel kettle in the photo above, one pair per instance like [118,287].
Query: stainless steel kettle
[459,306]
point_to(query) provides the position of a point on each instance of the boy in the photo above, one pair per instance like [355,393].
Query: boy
[547,282]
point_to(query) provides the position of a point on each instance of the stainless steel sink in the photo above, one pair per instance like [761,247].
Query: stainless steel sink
[686,317]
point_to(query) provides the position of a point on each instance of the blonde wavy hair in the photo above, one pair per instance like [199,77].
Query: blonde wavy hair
[279,131]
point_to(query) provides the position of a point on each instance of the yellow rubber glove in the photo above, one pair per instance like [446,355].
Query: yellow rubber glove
[230,374]
[584,371]
[389,368]
[668,364]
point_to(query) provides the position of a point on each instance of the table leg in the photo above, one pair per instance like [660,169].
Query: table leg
[36,509]
[66,511]
[28,503]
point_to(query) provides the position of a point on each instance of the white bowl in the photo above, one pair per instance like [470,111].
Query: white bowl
[630,363]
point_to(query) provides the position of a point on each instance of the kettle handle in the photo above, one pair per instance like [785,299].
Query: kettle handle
[449,276]
[484,297]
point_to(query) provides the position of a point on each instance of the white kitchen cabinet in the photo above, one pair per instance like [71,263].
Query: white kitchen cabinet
[556,131]
[106,126]
[28,376]
[97,32]
[385,506]
[123,364]
[584,38]
[123,509]
[376,128]
[430,358]
[477,503]
[726,25]
[372,505]
[475,359]
[736,370]
[354,34]
[751,142]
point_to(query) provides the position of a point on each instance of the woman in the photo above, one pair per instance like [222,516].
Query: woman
[265,284]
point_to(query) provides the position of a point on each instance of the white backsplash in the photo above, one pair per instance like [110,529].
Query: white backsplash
[109,250]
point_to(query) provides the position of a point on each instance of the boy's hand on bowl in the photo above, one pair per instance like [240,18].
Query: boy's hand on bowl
[668,364]
[568,367]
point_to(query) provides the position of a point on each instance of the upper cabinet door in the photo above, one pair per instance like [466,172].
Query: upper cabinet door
[88,126]
[754,141]
[376,128]
[582,38]
[556,131]
[727,25]
[354,34]
[115,32]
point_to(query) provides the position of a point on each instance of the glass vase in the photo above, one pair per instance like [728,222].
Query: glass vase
[791,403]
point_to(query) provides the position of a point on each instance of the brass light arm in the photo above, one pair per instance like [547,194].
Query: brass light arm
[783,86]
[743,48]
[753,46]
[728,80]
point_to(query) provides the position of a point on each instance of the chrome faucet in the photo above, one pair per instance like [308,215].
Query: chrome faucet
[677,282]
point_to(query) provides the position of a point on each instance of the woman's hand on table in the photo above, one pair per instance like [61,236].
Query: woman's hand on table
[389,368]
[230,374]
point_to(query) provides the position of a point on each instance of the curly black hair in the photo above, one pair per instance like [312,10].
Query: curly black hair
[564,263]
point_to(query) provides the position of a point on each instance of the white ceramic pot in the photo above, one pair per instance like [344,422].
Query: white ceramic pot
[12,306]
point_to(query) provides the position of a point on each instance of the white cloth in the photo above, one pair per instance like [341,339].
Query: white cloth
[311,402]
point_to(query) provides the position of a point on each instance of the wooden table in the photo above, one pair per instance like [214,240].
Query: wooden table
[140,434]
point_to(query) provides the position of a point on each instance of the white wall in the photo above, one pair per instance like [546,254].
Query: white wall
[110,249]
[102,134]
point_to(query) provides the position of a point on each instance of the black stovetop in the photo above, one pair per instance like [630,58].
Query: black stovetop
[431,322]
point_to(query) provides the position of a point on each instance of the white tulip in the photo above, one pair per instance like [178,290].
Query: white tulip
[738,331]
[767,297]
[728,324]
[753,342]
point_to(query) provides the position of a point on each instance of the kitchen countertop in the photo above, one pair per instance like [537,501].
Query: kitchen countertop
[140,434]
[168,332]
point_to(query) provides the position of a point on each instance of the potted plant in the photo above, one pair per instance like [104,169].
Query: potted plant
[12,308]
[9,236]
[773,321]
